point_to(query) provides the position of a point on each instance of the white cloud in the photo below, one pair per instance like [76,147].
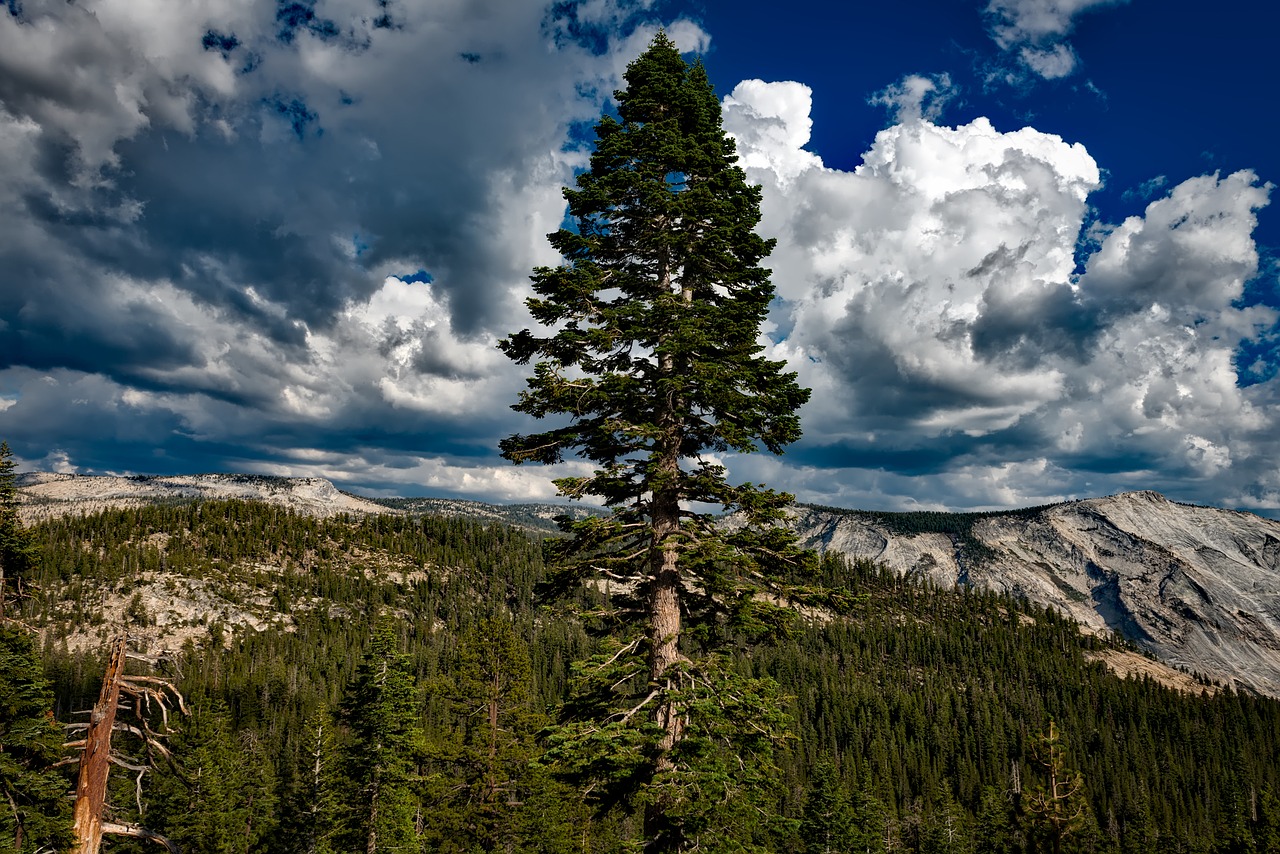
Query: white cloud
[770,122]
[917,97]
[208,212]
[58,461]
[206,255]
[933,303]
[1037,30]
[435,475]
[1051,63]
[1019,21]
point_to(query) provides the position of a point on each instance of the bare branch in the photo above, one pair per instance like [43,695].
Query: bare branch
[138,832]
[630,714]
[117,760]
[631,675]
[628,648]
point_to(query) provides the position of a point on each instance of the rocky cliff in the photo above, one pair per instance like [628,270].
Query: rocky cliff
[1198,587]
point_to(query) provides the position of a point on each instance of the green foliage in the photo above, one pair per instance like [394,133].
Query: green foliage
[220,795]
[721,787]
[828,825]
[34,812]
[652,363]
[17,552]
[1055,804]
[996,831]
[314,806]
[926,703]
[380,759]
[480,772]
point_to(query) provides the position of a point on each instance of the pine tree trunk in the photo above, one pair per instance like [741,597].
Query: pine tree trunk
[664,653]
[664,601]
[371,841]
[664,624]
[95,763]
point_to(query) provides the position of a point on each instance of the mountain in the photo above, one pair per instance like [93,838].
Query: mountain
[45,495]
[1198,587]
[531,517]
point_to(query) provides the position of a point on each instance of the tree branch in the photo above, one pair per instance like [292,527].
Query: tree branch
[139,832]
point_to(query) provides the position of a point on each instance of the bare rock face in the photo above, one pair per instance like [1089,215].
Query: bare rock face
[44,495]
[1198,587]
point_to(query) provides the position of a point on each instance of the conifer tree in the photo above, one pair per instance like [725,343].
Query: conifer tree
[16,550]
[996,832]
[651,365]
[1056,807]
[314,810]
[1267,829]
[35,814]
[219,796]
[827,826]
[380,709]
[480,774]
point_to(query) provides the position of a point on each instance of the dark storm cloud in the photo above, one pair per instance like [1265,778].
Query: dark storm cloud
[201,210]
[1022,328]
[295,183]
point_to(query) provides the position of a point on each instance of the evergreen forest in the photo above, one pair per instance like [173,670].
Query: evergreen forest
[393,678]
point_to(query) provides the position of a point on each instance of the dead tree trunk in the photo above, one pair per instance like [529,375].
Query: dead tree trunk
[95,761]
[96,757]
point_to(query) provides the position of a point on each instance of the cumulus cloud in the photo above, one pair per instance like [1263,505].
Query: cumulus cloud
[959,348]
[1036,31]
[770,122]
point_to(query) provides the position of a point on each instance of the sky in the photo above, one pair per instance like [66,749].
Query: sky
[1026,251]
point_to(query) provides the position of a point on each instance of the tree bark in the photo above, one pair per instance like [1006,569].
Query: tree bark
[664,599]
[371,841]
[95,761]
[664,653]
[665,622]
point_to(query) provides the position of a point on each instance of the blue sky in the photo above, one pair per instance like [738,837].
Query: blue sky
[1026,250]
[1159,88]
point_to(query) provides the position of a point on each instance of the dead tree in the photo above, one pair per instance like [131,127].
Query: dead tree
[147,693]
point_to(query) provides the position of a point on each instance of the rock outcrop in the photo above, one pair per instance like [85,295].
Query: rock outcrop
[44,495]
[1198,587]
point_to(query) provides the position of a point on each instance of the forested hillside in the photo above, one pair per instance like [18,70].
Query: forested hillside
[413,652]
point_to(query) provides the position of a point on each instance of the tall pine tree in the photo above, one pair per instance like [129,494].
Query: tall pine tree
[35,814]
[651,365]
[16,551]
[218,795]
[380,709]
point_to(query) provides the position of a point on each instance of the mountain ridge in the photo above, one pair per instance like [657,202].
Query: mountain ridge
[1197,587]
[45,495]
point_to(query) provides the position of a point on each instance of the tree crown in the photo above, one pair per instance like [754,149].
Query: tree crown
[655,312]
